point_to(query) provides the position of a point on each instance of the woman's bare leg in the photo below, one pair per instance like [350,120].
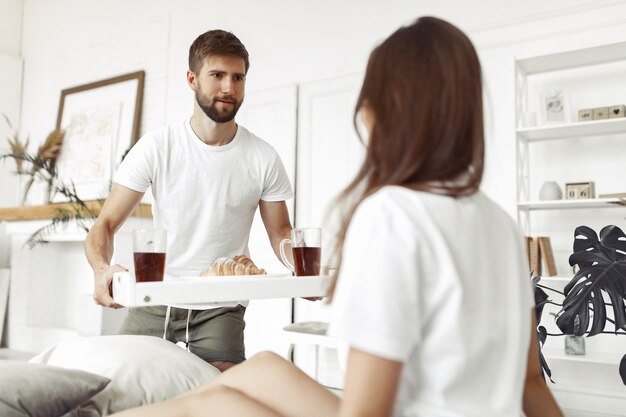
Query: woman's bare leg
[216,401]
[269,385]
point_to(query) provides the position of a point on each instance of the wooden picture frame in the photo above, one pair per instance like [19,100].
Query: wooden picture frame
[101,121]
[580,190]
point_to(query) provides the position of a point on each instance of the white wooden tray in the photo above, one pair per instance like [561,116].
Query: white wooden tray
[207,290]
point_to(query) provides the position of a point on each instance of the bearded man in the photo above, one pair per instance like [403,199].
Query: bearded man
[207,175]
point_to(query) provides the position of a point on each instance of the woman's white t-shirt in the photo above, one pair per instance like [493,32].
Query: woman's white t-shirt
[441,285]
[204,196]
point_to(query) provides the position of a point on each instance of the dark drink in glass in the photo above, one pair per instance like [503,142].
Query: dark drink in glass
[149,266]
[307,260]
[149,247]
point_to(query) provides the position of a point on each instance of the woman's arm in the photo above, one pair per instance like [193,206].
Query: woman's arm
[371,385]
[538,401]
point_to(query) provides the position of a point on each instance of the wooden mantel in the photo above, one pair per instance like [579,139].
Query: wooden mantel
[48,211]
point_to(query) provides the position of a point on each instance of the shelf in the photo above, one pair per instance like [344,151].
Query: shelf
[571,59]
[571,204]
[556,278]
[571,130]
[49,211]
[222,289]
[606,358]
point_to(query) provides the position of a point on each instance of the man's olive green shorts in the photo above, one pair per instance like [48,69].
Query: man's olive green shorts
[214,335]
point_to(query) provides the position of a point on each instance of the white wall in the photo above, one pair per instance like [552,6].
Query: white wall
[289,42]
[11,26]
[10,95]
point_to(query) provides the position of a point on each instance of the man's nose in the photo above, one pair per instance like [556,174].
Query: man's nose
[228,87]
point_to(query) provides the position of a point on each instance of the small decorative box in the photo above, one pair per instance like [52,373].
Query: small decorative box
[585,115]
[580,190]
[617,111]
[600,113]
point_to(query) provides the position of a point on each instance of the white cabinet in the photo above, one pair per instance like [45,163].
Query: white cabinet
[566,150]
[51,286]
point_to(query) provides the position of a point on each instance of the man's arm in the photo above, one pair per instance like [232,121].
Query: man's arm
[538,401]
[275,217]
[99,243]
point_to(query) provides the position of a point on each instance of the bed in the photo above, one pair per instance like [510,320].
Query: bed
[100,375]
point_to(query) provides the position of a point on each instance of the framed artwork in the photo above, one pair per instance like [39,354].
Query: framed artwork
[101,121]
[554,107]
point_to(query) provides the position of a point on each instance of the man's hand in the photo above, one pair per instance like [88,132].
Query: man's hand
[102,292]
[99,243]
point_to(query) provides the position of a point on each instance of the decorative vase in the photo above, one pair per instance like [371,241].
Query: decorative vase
[550,190]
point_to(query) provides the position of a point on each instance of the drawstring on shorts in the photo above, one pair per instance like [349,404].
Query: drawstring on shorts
[185,344]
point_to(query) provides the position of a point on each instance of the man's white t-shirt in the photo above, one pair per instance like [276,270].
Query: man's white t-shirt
[204,196]
[441,285]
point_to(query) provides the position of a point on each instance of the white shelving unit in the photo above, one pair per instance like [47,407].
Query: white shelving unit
[570,72]
[573,151]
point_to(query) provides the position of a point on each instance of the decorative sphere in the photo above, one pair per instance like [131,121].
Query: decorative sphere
[550,190]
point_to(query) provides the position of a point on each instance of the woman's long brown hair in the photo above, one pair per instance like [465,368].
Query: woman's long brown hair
[423,85]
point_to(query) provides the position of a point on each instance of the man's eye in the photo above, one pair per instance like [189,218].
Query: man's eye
[239,78]
[216,75]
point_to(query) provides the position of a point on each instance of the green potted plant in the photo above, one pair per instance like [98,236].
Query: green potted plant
[601,263]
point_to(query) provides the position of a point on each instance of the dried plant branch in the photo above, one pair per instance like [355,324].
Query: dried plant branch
[16,146]
[51,148]
[47,155]
[62,218]
[41,167]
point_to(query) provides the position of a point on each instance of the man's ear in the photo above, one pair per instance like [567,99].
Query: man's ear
[191,79]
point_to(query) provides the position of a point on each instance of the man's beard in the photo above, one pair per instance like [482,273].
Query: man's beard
[208,107]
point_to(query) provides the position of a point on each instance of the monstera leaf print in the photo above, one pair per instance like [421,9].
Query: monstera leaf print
[602,264]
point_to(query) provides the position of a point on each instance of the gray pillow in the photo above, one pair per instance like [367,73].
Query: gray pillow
[34,390]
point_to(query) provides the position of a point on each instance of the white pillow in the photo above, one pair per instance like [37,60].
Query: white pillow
[143,369]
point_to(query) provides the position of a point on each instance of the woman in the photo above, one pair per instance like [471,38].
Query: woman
[432,294]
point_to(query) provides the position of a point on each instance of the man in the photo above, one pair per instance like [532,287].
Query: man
[208,175]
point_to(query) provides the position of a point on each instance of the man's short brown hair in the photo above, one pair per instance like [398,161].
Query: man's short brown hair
[216,42]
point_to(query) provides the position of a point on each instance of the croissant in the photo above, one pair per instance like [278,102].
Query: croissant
[238,265]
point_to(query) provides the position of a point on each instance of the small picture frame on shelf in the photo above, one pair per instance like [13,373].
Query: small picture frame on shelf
[554,107]
[580,190]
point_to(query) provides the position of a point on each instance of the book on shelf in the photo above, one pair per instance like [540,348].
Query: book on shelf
[613,195]
[546,255]
[540,256]
[532,252]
